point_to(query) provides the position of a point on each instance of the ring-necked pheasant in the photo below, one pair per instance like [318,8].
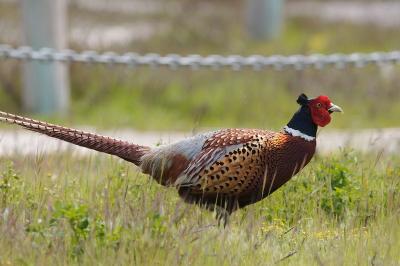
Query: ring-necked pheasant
[223,170]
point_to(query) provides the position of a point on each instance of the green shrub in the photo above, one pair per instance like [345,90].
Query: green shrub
[340,190]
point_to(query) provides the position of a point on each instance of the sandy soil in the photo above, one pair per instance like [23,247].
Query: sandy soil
[29,143]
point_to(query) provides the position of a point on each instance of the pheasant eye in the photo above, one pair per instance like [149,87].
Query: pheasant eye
[319,105]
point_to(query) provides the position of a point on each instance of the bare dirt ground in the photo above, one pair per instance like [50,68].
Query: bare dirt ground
[28,143]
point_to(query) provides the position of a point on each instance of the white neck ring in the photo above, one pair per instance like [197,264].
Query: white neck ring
[298,133]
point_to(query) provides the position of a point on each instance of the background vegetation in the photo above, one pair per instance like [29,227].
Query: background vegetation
[183,100]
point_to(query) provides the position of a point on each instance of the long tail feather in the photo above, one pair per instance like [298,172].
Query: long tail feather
[123,149]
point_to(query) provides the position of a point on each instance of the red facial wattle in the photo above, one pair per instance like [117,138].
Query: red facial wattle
[320,117]
[319,110]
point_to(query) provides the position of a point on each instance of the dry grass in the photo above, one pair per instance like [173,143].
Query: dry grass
[56,210]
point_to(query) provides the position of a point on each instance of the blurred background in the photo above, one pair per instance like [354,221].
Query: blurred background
[68,209]
[159,99]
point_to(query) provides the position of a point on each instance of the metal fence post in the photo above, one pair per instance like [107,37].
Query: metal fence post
[264,18]
[46,85]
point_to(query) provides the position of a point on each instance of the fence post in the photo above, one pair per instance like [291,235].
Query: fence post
[264,18]
[46,84]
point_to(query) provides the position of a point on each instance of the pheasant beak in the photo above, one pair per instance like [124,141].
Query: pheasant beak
[334,108]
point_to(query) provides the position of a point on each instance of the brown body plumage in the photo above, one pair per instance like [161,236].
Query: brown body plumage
[226,169]
[252,165]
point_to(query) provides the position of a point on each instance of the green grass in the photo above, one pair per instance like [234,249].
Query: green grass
[62,209]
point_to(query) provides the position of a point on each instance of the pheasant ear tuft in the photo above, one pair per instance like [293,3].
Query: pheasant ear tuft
[303,99]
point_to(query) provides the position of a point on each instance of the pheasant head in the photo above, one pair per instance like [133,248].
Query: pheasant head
[312,113]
